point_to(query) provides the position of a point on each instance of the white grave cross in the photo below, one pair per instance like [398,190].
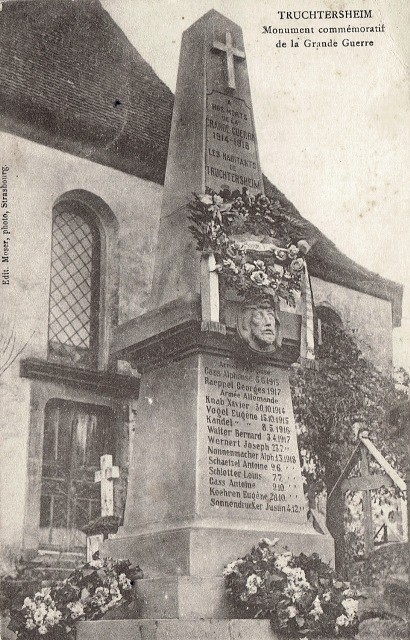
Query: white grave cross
[231,53]
[106,475]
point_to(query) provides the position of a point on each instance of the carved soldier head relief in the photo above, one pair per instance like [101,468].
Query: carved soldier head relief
[259,325]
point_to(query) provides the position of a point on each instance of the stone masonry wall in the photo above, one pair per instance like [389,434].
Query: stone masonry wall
[368,317]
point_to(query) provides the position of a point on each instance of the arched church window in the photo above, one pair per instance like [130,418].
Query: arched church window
[73,327]
[326,318]
[75,436]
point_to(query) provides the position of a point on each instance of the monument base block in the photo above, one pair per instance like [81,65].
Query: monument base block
[183,597]
[204,552]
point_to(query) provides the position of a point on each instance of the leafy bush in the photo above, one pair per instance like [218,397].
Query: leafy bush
[346,390]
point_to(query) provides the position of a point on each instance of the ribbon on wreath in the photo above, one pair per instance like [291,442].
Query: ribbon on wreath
[307,338]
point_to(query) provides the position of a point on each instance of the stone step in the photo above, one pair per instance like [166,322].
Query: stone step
[65,557]
[47,561]
[214,630]
[207,630]
[48,566]
[176,630]
[52,573]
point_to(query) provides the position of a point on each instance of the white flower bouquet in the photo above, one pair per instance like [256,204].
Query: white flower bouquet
[87,594]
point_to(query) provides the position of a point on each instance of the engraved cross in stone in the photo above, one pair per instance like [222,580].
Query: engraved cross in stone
[106,475]
[231,53]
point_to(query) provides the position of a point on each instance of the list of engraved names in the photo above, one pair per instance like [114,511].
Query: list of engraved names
[251,467]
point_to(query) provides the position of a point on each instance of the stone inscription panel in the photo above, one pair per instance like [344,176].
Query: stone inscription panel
[248,455]
[231,156]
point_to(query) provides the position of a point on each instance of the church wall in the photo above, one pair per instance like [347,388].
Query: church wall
[44,174]
[369,317]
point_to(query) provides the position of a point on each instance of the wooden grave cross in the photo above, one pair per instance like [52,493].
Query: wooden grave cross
[366,482]
[231,53]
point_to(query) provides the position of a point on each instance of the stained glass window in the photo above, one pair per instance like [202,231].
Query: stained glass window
[74,289]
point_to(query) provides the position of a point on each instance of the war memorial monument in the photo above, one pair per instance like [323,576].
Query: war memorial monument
[218,463]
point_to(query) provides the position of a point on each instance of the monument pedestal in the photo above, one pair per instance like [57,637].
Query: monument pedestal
[217,470]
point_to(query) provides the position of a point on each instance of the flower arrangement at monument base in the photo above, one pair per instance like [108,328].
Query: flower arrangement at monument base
[258,246]
[301,595]
[87,594]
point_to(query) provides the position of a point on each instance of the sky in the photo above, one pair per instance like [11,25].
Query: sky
[332,122]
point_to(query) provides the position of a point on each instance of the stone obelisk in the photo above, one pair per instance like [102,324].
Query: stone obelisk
[215,463]
[212,144]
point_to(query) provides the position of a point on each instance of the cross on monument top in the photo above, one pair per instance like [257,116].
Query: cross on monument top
[231,53]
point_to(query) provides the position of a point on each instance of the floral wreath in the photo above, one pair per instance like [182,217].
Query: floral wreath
[301,595]
[219,224]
